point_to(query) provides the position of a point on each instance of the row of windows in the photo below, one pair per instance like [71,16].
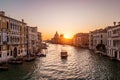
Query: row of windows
[8,47]
[15,33]
[11,53]
[101,36]
[12,39]
[13,26]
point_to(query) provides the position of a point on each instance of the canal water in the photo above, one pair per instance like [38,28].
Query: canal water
[81,64]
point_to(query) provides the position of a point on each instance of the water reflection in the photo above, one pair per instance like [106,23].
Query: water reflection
[81,64]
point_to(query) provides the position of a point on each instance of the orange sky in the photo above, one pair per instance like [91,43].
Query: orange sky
[64,16]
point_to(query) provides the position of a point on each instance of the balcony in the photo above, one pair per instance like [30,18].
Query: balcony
[115,35]
[116,47]
[116,44]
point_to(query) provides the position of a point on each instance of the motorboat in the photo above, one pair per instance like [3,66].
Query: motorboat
[64,54]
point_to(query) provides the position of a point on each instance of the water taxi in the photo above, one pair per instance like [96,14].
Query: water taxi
[64,54]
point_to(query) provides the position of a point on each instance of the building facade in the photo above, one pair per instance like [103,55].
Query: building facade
[113,42]
[39,42]
[39,38]
[32,39]
[97,37]
[16,38]
[91,40]
[12,37]
[81,40]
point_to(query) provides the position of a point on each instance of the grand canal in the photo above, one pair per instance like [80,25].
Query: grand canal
[81,64]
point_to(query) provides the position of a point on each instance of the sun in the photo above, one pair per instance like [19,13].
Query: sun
[68,36]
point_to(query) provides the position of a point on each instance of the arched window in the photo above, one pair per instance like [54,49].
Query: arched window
[11,53]
[11,39]
[8,54]
[0,48]
[7,47]
[11,25]
[21,51]
[119,54]
[7,25]
[7,39]
[101,42]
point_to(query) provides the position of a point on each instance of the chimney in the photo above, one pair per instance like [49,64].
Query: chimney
[23,20]
[118,23]
[2,13]
[114,23]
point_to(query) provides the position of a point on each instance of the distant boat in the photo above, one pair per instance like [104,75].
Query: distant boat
[64,54]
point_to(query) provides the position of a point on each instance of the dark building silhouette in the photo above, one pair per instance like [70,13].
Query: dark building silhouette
[55,39]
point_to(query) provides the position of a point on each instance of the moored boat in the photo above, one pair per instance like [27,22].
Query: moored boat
[29,58]
[4,68]
[41,55]
[44,46]
[15,61]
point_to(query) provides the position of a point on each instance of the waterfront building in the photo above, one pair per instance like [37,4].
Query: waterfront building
[12,37]
[39,38]
[32,39]
[97,38]
[91,40]
[81,40]
[39,42]
[16,38]
[113,42]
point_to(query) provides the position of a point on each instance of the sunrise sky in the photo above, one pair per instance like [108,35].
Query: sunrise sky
[64,16]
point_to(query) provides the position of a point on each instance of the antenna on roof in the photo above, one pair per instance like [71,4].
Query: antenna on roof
[118,23]
[2,13]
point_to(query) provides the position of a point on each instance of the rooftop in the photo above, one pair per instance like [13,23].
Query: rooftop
[2,14]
